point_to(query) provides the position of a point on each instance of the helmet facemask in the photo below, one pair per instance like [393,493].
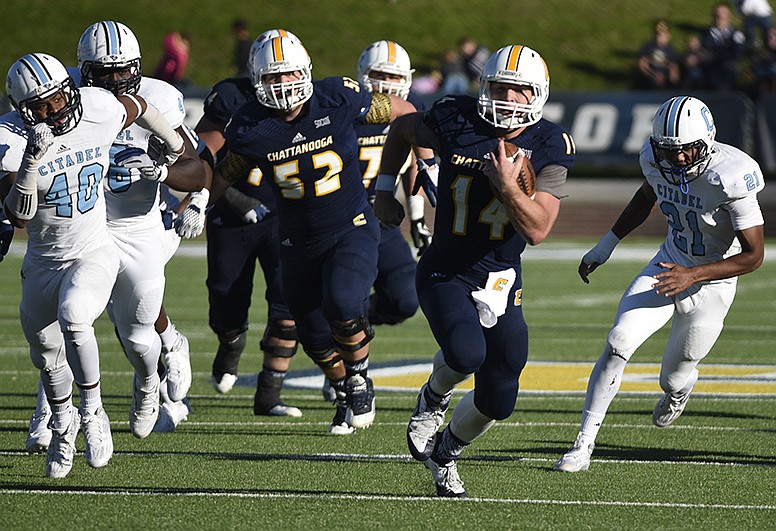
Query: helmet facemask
[101,75]
[286,95]
[506,114]
[274,57]
[380,60]
[60,122]
[682,137]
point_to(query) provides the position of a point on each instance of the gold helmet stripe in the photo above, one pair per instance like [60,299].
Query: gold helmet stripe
[391,52]
[514,57]
[277,49]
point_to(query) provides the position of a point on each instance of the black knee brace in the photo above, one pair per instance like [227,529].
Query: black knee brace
[326,359]
[279,331]
[342,329]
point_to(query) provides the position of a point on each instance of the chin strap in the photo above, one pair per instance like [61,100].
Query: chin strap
[684,186]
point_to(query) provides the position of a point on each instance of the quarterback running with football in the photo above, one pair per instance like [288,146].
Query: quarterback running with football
[707,191]
[469,279]
[57,149]
[301,137]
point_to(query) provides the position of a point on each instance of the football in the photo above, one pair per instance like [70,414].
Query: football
[526,179]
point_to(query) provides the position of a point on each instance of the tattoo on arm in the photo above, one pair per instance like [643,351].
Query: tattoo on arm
[380,110]
[233,167]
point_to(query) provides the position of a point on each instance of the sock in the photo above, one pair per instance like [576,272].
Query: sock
[91,398]
[443,379]
[359,367]
[169,336]
[468,422]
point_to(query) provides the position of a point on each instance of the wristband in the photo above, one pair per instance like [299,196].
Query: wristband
[385,183]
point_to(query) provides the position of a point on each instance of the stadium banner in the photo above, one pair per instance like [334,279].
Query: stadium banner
[609,128]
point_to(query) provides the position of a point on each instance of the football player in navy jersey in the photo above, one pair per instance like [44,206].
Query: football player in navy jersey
[300,136]
[242,228]
[384,66]
[469,279]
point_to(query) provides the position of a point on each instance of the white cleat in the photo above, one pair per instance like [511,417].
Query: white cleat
[178,363]
[226,384]
[144,410]
[59,458]
[170,415]
[669,408]
[446,479]
[281,409]
[99,442]
[423,427]
[39,434]
[577,459]
[328,392]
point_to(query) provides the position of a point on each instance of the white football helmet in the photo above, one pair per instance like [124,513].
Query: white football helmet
[109,45]
[385,57]
[34,78]
[514,65]
[270,34]
[683,126]
[279,55]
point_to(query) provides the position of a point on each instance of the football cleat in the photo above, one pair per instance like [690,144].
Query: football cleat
[178,365]
[170,415]
[360,399]
[224,383]
[340,426]
[424,425]
[446,479]
[144,410]
[278,409]
[669,408]
[39,434]
[59,458]
[99,442]
[577,459]
[328,392]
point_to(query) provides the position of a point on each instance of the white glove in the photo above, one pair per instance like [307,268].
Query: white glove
[137,159]
[191,222]
[39,140]
[602,250]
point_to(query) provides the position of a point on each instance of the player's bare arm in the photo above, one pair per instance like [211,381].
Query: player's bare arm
[229,170]
[401,137]
[188,173]
[677,278]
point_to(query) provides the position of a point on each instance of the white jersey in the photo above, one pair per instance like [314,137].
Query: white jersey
[135,203]
[723,200]
[70,219]
[13,140]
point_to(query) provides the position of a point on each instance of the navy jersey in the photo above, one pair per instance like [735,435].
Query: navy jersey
[223,100]
[311,162]
[371,138]
[471,227]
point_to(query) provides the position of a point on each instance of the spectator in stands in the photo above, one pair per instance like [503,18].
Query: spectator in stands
[725,44]
[764,65]
[453,70]
[242,47]
[474,58]
[174,59]
[693,64]
[658,61]
[756,14]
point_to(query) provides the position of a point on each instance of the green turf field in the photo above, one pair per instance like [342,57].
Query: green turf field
[224,468]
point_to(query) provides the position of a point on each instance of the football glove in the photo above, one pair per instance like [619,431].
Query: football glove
[39,140]
[191,222]
[6,235]
[136,159]
[427,179]
[602,250]
[421,234]
[258,213]
[161,153]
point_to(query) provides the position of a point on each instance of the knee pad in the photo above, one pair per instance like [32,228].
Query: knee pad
[276,330]
[325,359]
[618,344]
[343,329]
[138,340]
